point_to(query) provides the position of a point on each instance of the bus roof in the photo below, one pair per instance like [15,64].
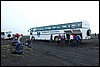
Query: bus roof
[56,24]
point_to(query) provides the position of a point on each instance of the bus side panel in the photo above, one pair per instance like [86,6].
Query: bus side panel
[36,37]
[42,37]
[46,37]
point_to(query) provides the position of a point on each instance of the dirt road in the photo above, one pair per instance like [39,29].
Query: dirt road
[50,54]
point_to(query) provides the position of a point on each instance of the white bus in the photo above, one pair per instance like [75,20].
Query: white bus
[6,35]
[81,28]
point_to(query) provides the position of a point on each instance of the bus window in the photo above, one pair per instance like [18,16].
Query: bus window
[64,26]
[49,27]
[46,28]
[68,26]
[53,28]
[58,27]
[73,25]
[42,29]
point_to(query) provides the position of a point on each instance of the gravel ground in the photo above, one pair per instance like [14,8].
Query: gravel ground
[50,54]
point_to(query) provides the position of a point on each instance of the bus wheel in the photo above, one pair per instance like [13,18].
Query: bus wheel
[56,38]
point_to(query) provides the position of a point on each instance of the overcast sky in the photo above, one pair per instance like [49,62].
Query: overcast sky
[19,16]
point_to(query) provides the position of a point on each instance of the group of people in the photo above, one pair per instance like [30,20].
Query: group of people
[62,41]
[19,44]
[71,40]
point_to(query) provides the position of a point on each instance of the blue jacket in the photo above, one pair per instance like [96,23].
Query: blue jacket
[19,47]
[77,37]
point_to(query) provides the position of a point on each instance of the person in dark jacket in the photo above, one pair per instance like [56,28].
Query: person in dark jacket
[59,40]
[67,41]
[95,34]
[63,39]
[18,49]
[51,38]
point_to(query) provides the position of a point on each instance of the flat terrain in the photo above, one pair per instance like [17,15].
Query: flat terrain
[50,54]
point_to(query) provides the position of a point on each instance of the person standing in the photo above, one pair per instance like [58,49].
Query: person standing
[59,40]
[29,43]
[71,39]
[67,41]
[77,40]
[63,39]
[95,34]
[51,38]
[80,38]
